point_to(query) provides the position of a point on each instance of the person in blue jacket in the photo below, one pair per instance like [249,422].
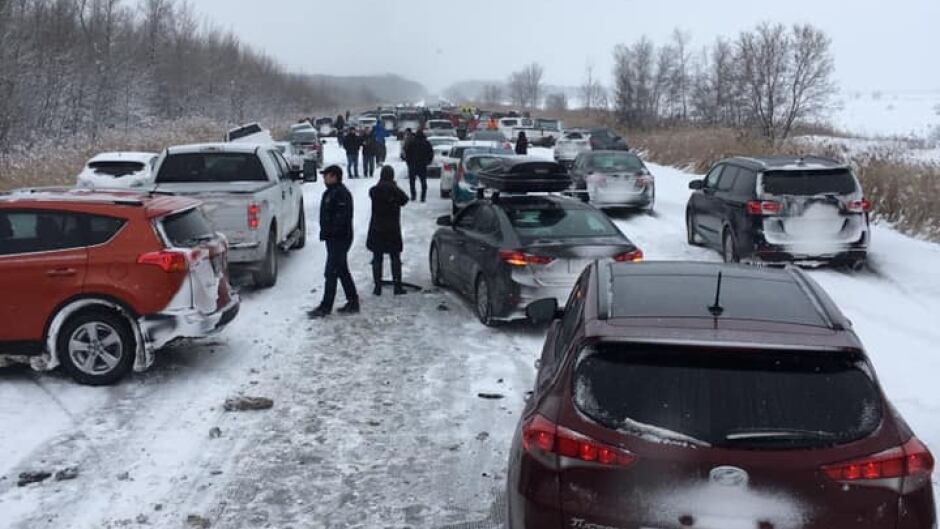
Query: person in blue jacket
[379,132]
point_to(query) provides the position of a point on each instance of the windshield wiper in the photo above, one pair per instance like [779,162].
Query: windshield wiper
[771,435]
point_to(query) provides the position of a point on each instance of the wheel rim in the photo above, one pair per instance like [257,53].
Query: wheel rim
[95,348]
[483,301]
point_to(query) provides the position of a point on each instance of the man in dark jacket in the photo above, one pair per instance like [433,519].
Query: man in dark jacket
[419,155]
[385,228]
[336,230]
[369,153]
[352,142]
[522,144]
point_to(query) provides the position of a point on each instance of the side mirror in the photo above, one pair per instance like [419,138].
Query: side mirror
[696,184]
[296,174]
[445,221]
[542,311]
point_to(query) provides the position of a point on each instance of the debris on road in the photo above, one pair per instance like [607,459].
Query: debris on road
[124,476]
[66,474]
[27,478]
[215,432]
[443,307]
[194,520]
[491,396]
[243,403]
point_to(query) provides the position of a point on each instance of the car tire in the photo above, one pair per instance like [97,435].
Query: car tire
[96,347]
[691,237]
[302,228]
[483,302]
[434,262]
[729,252]
[267,276]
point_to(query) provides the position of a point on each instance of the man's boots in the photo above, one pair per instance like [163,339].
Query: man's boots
[351,307]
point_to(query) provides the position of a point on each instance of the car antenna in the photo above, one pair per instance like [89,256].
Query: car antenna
[716,309]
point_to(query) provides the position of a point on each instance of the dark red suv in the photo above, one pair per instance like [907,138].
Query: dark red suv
[699,395]
[98,281]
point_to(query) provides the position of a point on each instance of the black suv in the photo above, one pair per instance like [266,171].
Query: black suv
[775,209]
[603,139]
[710,395]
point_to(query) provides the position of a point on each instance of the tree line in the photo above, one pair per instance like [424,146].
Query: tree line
[79,67]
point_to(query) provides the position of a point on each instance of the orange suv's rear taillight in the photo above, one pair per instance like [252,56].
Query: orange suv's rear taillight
[167,260]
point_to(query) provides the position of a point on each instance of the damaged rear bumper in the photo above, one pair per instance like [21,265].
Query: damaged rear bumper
[158,330]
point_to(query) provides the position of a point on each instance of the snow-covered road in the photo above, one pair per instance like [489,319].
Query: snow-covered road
[377,420]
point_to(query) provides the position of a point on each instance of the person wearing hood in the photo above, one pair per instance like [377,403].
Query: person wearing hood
[385,228]
[336,230]
[522,144]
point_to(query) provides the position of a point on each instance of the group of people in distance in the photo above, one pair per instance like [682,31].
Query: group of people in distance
[371,141]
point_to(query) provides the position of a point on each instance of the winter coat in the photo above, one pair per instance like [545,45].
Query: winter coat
[419,152]
[522,145]
[369,147]
[385,225]
[379,132]
[352,142]
[340,123]
[336,214]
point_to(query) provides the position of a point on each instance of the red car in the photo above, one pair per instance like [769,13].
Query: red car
[98,281]
[709,396]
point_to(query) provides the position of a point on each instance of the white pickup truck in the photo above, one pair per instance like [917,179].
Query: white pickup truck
[249,192]
[540,132]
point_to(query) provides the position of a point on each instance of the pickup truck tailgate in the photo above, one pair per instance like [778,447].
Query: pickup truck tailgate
[228,209]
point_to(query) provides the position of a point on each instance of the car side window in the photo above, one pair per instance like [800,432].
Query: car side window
[728,176]
[283,171]
[467,218]
[572,317]
[746,184]
[486,221]
[711,181]
[23,232]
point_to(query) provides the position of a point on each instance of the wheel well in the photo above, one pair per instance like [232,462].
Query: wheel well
[79,304]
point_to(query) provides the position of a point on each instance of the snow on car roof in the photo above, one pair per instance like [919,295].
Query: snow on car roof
[142,157]
[213,147]
[155,204]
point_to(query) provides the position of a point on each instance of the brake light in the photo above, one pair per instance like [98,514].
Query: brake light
[644,181]
[629,257]
[763,207]
[254,217]
[541,435]
[912,459]
[859,206]
[517,258]
[169,261]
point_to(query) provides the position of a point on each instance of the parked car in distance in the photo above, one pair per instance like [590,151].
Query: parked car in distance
[118,170]
[465,182]
[250,194]
[308,145]
[510,126]
[366,122]
[440,127]
[779,209]
[613,179]
[408,120]
[441,146]
[252,133]
[676,395]
[390,121]
[541,133]
[491,135]
[504,253]
[325,127]
[294,158]
[570,145]
[450,161]
[604,139]
[302,125]
[102,280]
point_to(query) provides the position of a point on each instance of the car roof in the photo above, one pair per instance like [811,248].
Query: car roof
[76,199]
[671,302]
[784,163]
[142,157]
[215,147]
[508,202]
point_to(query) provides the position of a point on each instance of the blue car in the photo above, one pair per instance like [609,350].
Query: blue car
[465,180]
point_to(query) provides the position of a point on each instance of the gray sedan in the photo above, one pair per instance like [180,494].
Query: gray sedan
[609,179]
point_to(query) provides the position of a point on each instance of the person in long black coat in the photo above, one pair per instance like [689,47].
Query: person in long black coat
[419,155]
[385,228]
[522,144]
[336,230]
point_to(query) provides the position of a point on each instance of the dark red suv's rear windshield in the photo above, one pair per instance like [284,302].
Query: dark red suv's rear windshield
[754,400]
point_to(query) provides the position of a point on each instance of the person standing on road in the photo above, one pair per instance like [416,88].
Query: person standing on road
[340,127]
[351,144]
[336,230]
[385,228]
[368,153]
[379,133]
[492,125]
[419,155]
[522,144]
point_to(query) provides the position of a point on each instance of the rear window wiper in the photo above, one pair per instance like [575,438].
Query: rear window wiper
[771,435]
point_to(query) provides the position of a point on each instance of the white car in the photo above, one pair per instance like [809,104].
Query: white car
[303,125]
[294,157]
[451,160]
[119,170]
[325,127]
[408,120]
[509,126]
[366,122]
[252,133]
[441,146]
[571,144]
[440,127]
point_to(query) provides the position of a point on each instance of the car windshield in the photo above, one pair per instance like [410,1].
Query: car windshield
[440,125]
[116,168]
[303,137]
[556,222]
[809,182]
[437,142]
[753,399]
[488,135]
[408,117]
[211,167]
[616,163]
[324,121]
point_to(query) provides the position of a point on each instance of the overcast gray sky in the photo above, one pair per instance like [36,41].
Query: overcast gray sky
[878,44]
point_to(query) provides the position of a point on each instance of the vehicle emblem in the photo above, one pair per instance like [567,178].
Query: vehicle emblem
[728,476]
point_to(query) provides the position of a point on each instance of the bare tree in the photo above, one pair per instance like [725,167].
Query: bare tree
[525,86]
[592,93]
[557,102]
[492,94]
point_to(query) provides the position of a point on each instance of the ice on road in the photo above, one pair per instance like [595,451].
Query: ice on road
[376,419]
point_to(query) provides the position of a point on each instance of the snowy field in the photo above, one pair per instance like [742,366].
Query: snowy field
[881,114]
[377,420]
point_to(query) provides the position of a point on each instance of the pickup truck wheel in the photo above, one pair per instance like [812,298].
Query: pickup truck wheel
[302,228]
[267,276]
[96,347]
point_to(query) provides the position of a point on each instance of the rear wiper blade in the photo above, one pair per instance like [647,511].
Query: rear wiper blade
[778,434]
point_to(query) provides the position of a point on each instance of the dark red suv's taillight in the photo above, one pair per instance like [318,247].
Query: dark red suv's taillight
[542,435]
[910,460]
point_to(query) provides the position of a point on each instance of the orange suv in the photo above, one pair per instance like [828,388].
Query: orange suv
[98,281]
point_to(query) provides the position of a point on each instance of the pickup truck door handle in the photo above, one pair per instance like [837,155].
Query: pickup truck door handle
[61,272]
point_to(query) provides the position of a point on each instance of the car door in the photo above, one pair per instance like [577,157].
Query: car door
[482,248]
[43,262]
[282,199]
[703,207]
[463,226]
[725,205]
[295,193]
